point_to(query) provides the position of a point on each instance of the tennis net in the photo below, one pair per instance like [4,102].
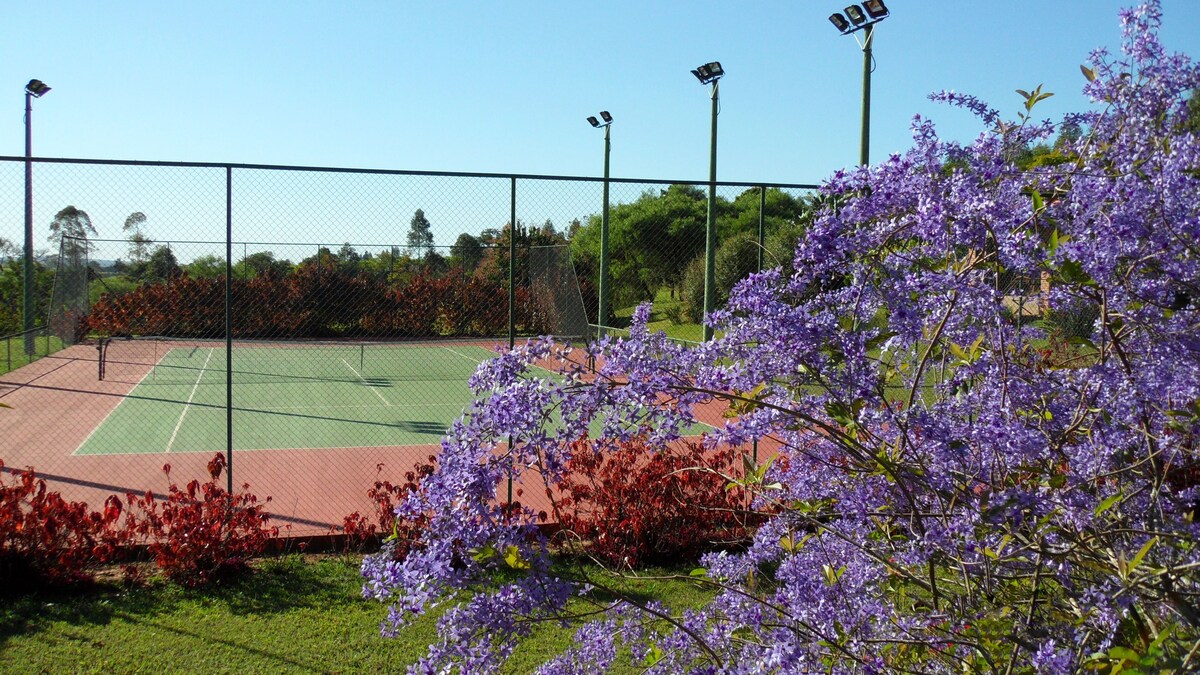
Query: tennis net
[167,360]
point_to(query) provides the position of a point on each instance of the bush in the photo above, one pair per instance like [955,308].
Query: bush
[958,499]
[202,533]
[363,532]
[48,541]
[736,259]
[632,507]
[691,295]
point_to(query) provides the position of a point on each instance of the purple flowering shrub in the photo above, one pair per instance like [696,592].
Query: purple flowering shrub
[962,490]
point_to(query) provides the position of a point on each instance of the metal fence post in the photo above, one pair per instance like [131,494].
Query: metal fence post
[229,328]
[762,210]
[512,302]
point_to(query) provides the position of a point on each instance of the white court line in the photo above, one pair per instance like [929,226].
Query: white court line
[120,403]
[188,406]
[369,385]
[471,359]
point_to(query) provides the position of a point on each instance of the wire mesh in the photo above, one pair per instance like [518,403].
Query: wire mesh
[319,326]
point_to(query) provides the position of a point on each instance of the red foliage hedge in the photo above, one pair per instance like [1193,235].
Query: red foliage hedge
[632,506]
[46,540]
[198,534]
[363,532]
[320,302]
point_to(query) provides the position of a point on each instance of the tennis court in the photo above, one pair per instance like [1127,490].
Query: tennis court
[285,395]
[315,424]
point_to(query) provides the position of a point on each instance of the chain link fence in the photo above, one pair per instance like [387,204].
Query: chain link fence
[318,326]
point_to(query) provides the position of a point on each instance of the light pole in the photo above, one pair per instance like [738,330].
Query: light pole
[863,17]
[711,73]
[35,89]
[603,289]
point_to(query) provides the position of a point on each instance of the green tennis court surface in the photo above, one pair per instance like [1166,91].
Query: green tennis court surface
[300,397]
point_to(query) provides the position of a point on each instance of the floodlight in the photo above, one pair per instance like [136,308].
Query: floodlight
[37,88]
[709,72]
[594,122]
[604,115]
[875,9]
[839,22]
[862,16]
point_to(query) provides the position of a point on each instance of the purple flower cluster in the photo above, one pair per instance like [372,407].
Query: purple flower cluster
[984,379]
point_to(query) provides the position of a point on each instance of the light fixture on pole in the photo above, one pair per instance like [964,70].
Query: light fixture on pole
[856,17]
[711,73]
[35,89]
[603,289]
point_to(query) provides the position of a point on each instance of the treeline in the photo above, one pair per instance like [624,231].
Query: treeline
[339,293]
[657,243]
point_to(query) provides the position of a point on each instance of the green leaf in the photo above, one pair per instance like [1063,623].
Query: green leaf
[958,352]
[1039,204]
[1123,653]
[1073,273]
[485,553]
[1137,559]
[1107,503]
[698,572]
[832,575]
[513,558]
[653,656]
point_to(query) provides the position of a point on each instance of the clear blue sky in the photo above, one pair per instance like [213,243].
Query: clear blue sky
[505,86]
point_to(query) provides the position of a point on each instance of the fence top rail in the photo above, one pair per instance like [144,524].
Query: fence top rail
[403,172]
[31,331]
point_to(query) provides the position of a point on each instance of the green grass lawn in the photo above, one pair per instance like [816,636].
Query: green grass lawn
[662,309]
[12,351]
[291,615]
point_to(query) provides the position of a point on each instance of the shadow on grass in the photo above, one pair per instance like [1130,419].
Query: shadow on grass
[275,585]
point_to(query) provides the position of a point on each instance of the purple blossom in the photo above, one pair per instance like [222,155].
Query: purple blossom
[944,458]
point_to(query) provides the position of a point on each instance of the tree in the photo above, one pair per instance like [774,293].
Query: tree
[261,263]
[954,490]
[162,265]
[651,241]
[69,231]
[467,252]
[420,238]
[139,243]
[348,259]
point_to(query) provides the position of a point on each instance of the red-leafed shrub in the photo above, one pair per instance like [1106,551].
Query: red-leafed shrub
[322,301]
[363,531]
[201,532]
[632,506]
[46,540]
